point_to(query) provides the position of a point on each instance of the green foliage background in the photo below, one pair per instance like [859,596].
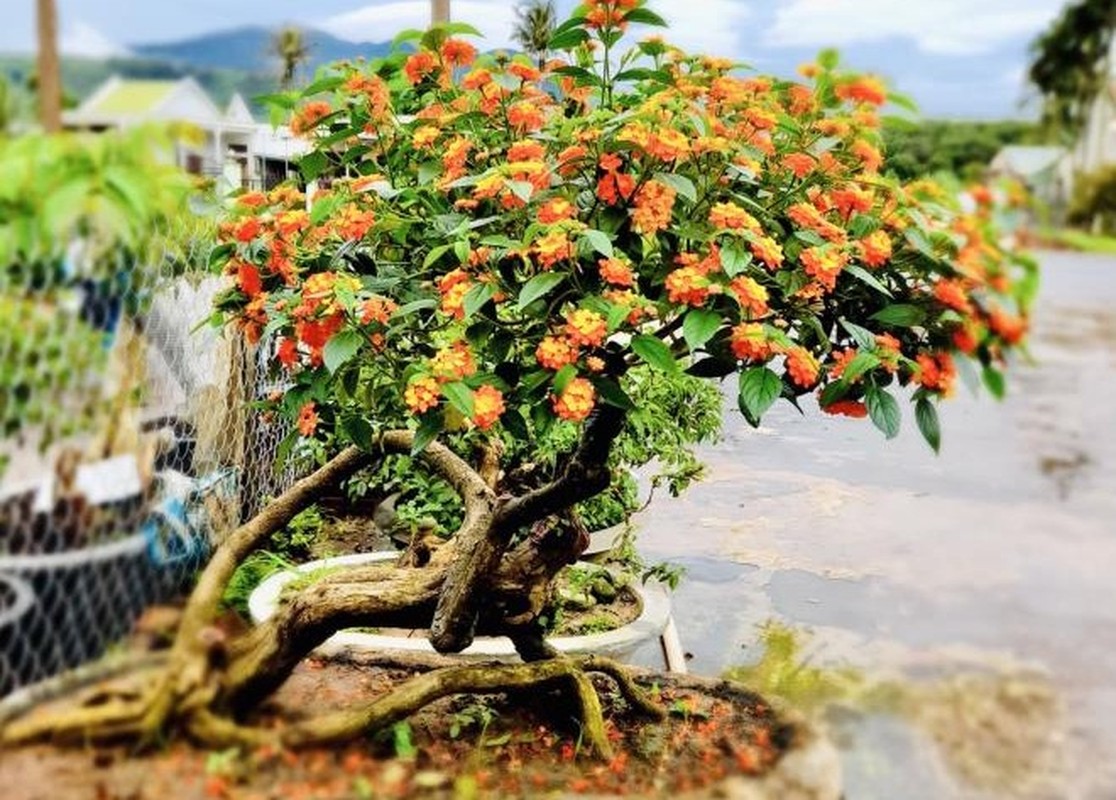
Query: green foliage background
[916,149]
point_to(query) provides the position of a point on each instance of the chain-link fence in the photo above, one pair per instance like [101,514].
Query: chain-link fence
[129,448]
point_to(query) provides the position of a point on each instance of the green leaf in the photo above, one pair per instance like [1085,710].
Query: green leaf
[927,418]
[901,315]
[358,429]
[568,40]
[862,225]
[521,189]
[862,336]
[324,208]
[905,103]
[327,84]
[861,363]
[828,58]
[734,259]
[599,241]
[679,183]
[575,20]
[645,16]
[883,409]
[537,287]
[406,35]
[340,348]
[611,393]
[313,164]
[476,297]
[580,73]
[810,237]
[994,380]
[643,74]
[760,387]
[654,352]
[832,393]
[712,368]
[515,424]
[563,377]
[459,28]
[699,326]
[415,305]
[429,427]
[460,396]
[868,278]
[617,316]
[405,749]
[434,254]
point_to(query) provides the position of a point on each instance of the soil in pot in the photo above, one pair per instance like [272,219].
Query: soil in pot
[593,600]
[498,746]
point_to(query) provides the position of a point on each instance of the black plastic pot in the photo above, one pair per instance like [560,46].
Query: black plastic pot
[17,602]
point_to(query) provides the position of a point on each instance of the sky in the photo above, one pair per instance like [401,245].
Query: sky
[957,58]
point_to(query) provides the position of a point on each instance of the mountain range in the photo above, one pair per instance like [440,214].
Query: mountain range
[248,49]
[239,59]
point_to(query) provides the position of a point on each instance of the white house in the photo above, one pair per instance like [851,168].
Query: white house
[1040,169]
[232,147]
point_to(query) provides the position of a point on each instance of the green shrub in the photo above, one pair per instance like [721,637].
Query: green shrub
[1094,200]
[46,363]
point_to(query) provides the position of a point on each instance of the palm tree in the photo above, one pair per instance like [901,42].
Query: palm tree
[1072,61]
[537,20]
[290,47]
[50,72]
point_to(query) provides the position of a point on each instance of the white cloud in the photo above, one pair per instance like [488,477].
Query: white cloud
[713,27]
[941,26]
[382,21]
[82,39]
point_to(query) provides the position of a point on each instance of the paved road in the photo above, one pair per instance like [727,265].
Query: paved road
[977,587]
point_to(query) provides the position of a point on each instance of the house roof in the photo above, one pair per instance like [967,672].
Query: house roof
[238,110]
[124,101]
[130,97]
[1025,160]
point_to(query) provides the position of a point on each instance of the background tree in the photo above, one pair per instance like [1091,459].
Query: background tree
[49,69]
[1072,63]
[535,24]
[290,47]
[961,147]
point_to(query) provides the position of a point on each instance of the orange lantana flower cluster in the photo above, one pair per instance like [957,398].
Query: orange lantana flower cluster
[509,240]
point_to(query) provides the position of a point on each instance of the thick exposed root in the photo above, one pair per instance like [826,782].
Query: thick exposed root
[112,720]
[214,730]
[209,680]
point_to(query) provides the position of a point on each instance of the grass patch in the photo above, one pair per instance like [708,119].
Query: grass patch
[1082,241]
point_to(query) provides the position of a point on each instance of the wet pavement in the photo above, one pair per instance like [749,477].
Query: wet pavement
[976,590]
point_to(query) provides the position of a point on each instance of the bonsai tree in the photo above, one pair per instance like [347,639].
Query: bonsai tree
[502,253]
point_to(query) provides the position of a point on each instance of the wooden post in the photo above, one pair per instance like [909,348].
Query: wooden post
[50,77]
[439,11]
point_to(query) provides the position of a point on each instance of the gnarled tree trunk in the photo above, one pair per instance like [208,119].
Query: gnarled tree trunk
[211,681]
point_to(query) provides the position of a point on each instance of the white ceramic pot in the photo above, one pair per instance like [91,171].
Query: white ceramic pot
[619,644]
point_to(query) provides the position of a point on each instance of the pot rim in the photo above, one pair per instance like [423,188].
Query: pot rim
[82,556]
